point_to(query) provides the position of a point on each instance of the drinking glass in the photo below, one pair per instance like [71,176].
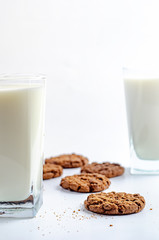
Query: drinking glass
[142,105]
[22,100]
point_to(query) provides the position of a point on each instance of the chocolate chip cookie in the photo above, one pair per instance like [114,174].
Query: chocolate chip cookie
[88,182]
[68,160]
[51,171]
[108,169]
[114,203]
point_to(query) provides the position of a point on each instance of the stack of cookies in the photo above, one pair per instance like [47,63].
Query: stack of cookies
[94,177]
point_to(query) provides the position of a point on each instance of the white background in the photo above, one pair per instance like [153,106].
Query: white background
[81,45]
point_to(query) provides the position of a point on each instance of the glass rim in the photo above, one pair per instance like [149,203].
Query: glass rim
[140,73]
[20,77]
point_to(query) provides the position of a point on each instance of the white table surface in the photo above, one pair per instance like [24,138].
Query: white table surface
[57,219]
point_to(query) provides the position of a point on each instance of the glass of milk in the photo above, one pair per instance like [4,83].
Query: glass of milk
[22,100]
[142,105]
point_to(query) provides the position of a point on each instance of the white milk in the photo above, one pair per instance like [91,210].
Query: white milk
[21,121]
[142,101]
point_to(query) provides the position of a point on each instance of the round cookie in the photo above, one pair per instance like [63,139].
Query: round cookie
[88,182]
[108,169]
[113,203]
[51,171]
[68,160]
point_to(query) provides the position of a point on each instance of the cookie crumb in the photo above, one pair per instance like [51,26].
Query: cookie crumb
[150,208]
[111,225]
